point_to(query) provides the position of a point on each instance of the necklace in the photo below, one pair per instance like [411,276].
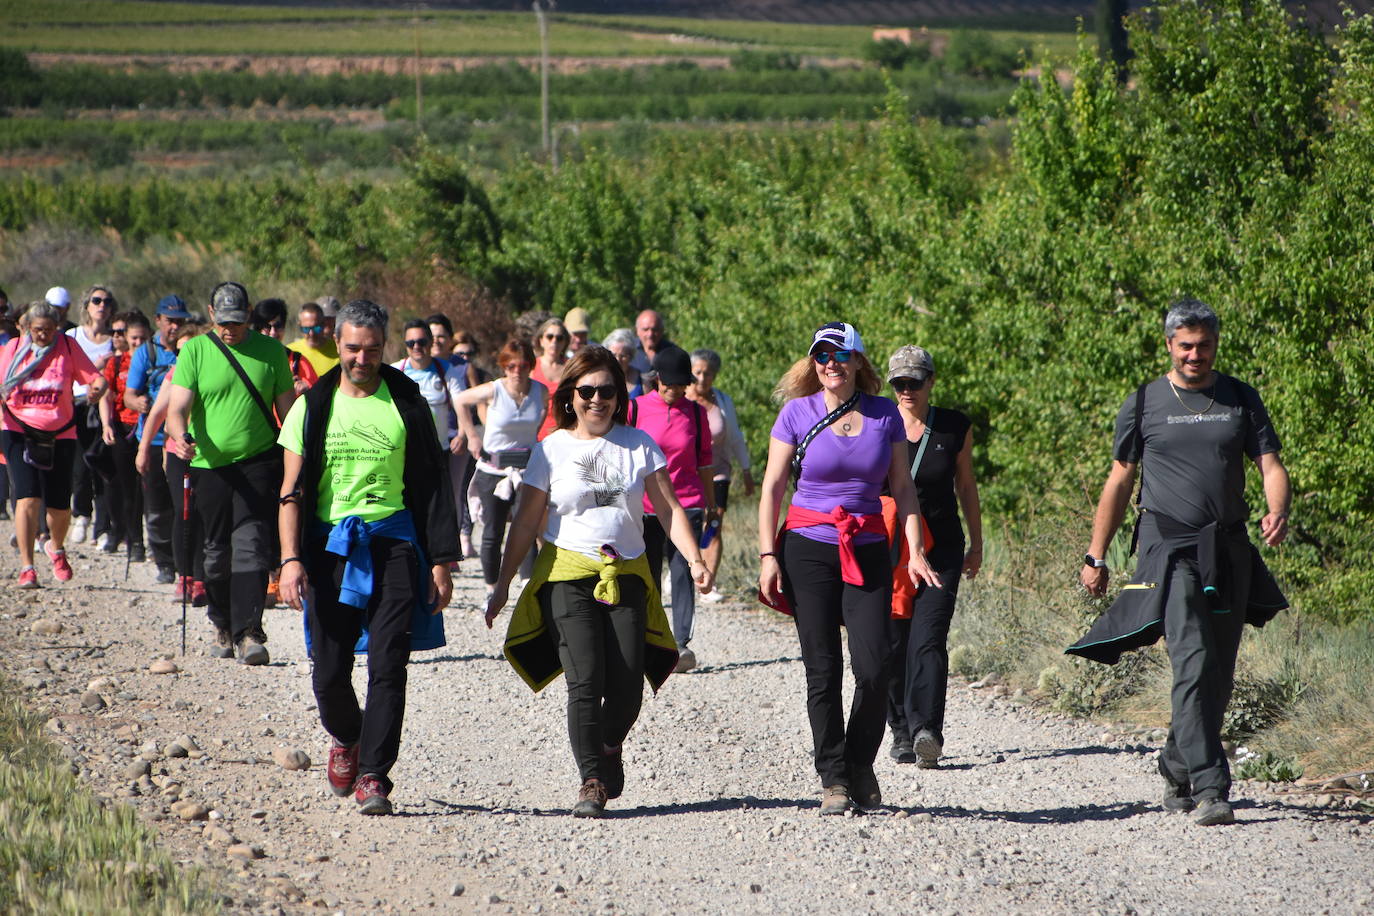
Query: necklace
[1204,410]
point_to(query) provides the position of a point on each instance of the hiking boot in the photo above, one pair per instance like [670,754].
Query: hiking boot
[166,576]
[835,800]
[372,796]
[591,799]
[686,660]
[1213,812]
[343,768]
[198,596]
[61,569]
[901,750]
[1177,799]
[137,553]
[252,651]
[224,644]
[28,578]
[928,748]
[863,788]
[613,772]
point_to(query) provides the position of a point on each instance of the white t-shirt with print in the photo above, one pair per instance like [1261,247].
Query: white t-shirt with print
[596,488]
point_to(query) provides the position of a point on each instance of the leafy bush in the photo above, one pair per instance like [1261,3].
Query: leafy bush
[1266,767]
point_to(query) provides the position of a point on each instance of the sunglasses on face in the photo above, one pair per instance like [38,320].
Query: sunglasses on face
[466,354]
[118,332]
[605,392]
[312,329]
[555,336]
[839,356]
[99,300]
[417,342]
[903,385]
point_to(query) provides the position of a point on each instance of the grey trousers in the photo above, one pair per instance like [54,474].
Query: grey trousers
[1202,643]
[657,547]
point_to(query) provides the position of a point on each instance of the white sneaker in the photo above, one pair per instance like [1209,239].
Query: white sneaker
[106,542]
[713,596]
[81,526]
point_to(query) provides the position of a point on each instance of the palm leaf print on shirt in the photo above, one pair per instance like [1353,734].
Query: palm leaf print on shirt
[606,483]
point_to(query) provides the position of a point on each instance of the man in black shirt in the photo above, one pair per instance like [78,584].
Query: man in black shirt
[1198,578]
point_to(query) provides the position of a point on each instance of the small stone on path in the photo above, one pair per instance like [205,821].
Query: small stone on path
[163,666]
[92,700]
[291,758]
[46,627]
[245,851]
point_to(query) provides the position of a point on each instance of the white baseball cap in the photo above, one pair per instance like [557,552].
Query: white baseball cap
[843,336]
[59,297]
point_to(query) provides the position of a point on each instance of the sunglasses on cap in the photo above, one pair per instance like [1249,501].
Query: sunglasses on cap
[605,392]
[905,383]
[839,356]
[418,342]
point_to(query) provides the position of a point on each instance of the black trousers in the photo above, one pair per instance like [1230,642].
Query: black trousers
[1202,643]
[656,546]
[236,504]
[186,545]
[602,650]
[334,630]
[920,654]
[822,602]
[88,489]
[158,507]
[126,498]
[495,513]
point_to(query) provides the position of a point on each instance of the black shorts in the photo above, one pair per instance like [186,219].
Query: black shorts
[27,481]
[722,493]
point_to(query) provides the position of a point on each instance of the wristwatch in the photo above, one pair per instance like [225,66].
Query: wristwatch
[1094,562]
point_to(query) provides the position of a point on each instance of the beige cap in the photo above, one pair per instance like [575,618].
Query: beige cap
[577,320]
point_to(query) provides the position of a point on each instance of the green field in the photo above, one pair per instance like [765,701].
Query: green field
[108,27]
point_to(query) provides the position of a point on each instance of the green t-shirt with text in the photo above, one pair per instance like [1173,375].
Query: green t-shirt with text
[227,424]
[364,455]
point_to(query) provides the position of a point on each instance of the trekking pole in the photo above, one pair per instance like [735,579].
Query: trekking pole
[186,542]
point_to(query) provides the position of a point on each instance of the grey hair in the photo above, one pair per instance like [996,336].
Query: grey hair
[620,336]
[362,313]
[41,309]
[710,357]
[1191,313]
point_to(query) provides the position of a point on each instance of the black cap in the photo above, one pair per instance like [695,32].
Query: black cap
[674,366]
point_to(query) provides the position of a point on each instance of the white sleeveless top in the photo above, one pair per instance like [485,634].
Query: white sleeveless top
[510,425]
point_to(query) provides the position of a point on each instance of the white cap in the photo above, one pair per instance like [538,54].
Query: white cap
[843,336]
[59,297]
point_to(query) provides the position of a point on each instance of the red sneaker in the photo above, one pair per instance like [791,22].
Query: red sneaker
[28,578]
[371,795]
[61,569]
[198,596]
[343,768]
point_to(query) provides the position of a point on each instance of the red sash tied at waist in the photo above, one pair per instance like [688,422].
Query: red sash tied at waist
[847,526]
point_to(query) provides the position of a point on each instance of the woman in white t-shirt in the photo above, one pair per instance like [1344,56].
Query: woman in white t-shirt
[592,600]
[88,490]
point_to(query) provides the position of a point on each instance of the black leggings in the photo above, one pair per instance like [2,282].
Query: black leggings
[602,650]
[126,498]
[822,602]
[495,513]
[920,657]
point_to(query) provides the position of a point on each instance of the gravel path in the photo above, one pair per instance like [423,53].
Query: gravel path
[1030,813]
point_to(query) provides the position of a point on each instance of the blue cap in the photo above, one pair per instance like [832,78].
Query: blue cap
[172,306]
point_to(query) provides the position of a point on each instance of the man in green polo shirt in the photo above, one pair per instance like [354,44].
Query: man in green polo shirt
[219,419]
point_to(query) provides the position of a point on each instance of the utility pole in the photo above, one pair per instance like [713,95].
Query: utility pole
[540,8]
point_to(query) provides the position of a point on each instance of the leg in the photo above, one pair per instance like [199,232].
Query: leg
[334,631]
[684,589]
[712,553]
[578,622]
[813,586]
[212,508]
[927,653]
[83,487]
[624,653]
[254,484]
[494,514]
[26,486]
[389,621]
[867,609]
[26,510]
[900,632]
[57,492]
[157,507]
[126,500]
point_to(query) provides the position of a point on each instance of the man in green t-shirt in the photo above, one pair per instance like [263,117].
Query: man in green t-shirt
[368,529]
[219,419]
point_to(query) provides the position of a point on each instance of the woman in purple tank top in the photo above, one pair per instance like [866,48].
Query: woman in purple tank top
[832,564]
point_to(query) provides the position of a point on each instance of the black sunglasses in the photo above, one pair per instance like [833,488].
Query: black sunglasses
[585,392]
[417,342]
[901,385]
[99,300]
[119,331]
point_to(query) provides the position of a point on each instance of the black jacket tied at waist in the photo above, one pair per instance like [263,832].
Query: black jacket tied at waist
[1136,618]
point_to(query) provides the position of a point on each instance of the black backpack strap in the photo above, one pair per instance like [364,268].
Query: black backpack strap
[698,414]
[247,383]
[634,411]
[1140,450]
[825,421]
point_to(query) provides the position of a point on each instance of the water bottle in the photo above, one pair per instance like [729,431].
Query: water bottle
[709,532]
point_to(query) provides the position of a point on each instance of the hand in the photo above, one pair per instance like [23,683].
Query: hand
[748,483]
[458,445]
[496,601]
[475,445]
[973,561]
[184,450]
[1274,528]
[702,576]
[141,461]
[1094,579]
[292,583]
[143,403]
[918,568]
[300,386]
[440,586]
[107,434]
[770,579]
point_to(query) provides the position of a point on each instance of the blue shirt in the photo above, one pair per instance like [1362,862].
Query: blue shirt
[148,379]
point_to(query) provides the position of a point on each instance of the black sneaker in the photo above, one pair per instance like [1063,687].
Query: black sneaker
[863,788]
[1178,797]
[166,576]
[137,554]
[591,799]
[613,772]
[902,751]
[1214,812]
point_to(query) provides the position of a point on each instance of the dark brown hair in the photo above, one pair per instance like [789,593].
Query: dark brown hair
[585,362]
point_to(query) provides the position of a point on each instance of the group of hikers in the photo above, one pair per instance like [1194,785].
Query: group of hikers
[350,488]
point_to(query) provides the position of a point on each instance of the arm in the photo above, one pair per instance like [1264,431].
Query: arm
[179,403]
[523,529]
[909,517]
[458,443]
[659,488]
[284,401]
[137,401]
[774,488]
[473,397]
[107,419]
[151,424]
[293,583]
[1111,508]
[966,488]
[1278,495]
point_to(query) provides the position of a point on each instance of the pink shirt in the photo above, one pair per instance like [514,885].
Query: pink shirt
[684,435]
[44,400]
